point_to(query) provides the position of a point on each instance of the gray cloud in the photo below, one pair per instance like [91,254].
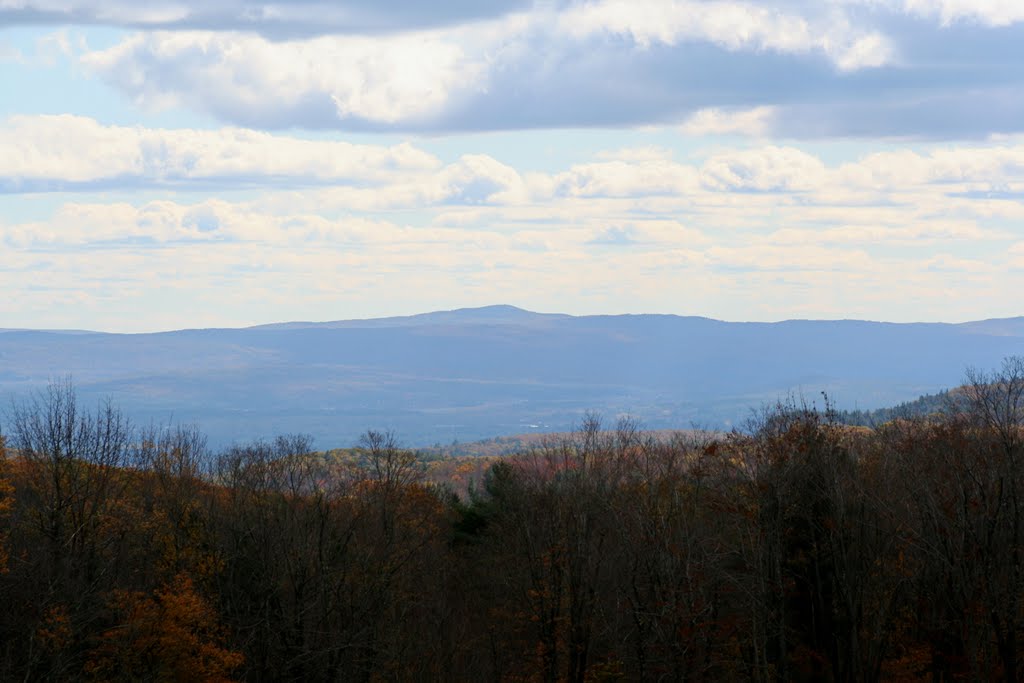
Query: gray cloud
[278,20]
[856,69]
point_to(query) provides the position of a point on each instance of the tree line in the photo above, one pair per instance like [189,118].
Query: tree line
[795,549]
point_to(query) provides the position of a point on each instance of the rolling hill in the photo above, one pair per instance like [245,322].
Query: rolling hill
[475,373]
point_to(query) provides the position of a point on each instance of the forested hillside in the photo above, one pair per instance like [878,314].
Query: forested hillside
[794,549]
[923,406]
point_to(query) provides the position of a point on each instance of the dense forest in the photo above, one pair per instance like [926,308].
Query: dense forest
[797,548]
[923,406]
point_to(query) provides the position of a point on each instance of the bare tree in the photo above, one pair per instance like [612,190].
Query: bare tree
[72,458]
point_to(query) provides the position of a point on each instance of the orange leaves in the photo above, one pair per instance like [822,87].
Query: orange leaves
[173,634]
[910,661]
[55,632]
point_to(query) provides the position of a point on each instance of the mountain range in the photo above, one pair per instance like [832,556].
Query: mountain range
[483,372]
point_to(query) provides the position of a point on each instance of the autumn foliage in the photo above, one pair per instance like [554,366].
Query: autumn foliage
[796,549]
[173,634]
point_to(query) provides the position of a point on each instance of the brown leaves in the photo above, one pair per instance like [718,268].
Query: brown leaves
[6,502]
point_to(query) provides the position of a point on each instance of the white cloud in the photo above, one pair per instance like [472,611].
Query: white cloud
[730,24]
[956,264]
[793,259]
[887,235]
[245,77]
[747,255]
[478,178]
[156,223]
[648,233]
[754,122]
[634,196]
[69,153]
[41,151]
[621,178]
[763,169]
[861,52]
[993,165]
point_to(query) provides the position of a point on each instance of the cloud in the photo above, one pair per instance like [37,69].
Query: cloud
[647,233]
[478,178]
[629,174]
[616,236]
[749,232]
[754,122]
[792,259]
[290,18]
[725,67]
[72,152]
[77,154]
[729,22]
[948,263]
[731,25]
[992,166]
[763,169]
[245,283]
[55,46]
[385,221]
[594,64]
[906,234]
[932,69]
[1016,254]
[775,195]
[162,223]
[947,12]
[47,51]
[318,83]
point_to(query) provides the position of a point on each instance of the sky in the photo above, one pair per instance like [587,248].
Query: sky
[220,163]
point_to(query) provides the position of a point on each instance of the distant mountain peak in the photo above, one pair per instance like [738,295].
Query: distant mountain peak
[491,309]
[495,311]
[495,314]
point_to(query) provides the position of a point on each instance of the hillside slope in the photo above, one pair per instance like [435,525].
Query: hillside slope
[478,373]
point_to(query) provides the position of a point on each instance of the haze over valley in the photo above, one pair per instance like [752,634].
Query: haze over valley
[475,373]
